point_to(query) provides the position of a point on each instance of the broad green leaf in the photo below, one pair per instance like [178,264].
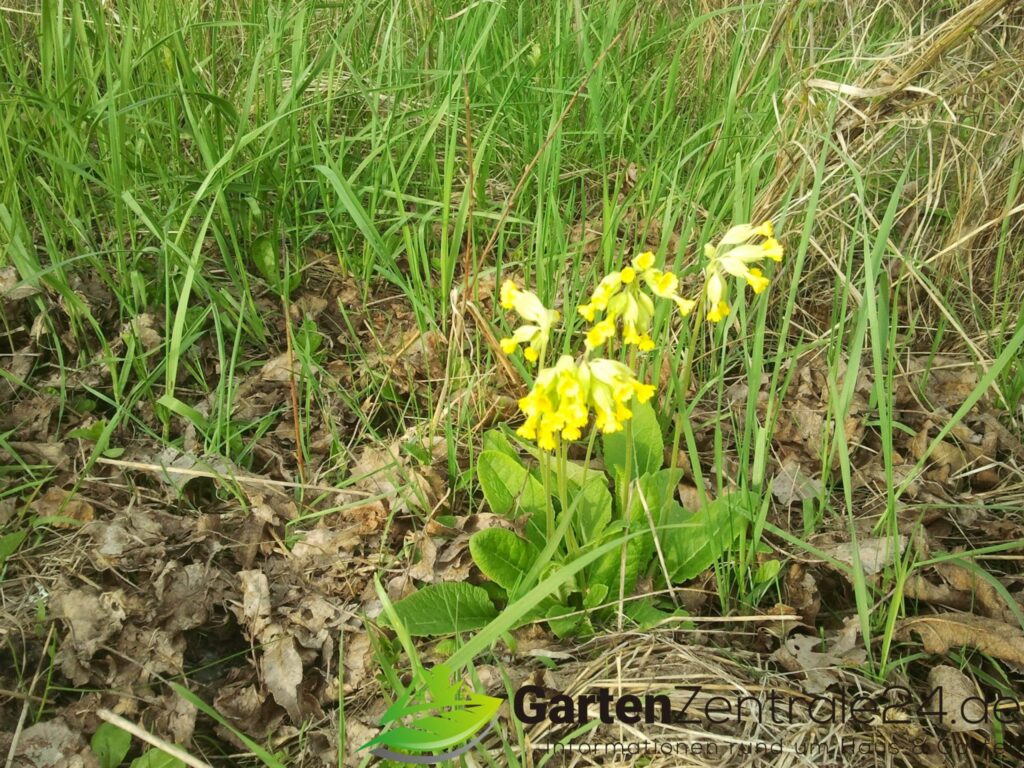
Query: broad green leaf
[655,490]
[495,440]
[563,620]
[446,608]
[767,571]
[515,611]
[505,481]
[9,544]
[595,509]
[503,557]
[267,260]
[648,445]
[157,758]
[710,533]
[646,614]
[454,713]
[110,744]
[595,595]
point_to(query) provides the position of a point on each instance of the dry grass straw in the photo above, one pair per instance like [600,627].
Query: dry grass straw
[947,105]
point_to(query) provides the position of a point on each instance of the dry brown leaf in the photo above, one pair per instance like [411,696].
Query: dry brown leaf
[979,591]
[357,733]
[802,593]
[690,497]
[945,458]
[255,610]
[143,327]
[943,631]
[52,453]
[875,554]
[278,370]
[92,618]
[367,518]
[12,288]
[943,380]
[423,569]
[52,744]
[962,708]
[164,652]
[248,709]
[454,561]
[59,503]
[791,484]
[323,546]
[313,621]
[917,587]
[822,668]
[385,473]
[174,716]
[359,663]
[282,674]
[183,594]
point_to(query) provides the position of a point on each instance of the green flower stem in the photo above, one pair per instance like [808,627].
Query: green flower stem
[682,414]
[627,483]
[549,506]
[563,496]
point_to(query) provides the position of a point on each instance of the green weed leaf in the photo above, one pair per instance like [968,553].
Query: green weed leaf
[443,609]
[653,492]
[595,508]
[9,544]
[496,440]
[110,744]
[157,758]
[503,557]
[711,533]
[648,444]
[505,481]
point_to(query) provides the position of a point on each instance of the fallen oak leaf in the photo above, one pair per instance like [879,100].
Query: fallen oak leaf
[874,554]
[943,631]
[282,674]
[963,709]
[970,579]
[791,484]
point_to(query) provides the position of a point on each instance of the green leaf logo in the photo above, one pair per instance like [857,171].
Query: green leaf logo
[449,720]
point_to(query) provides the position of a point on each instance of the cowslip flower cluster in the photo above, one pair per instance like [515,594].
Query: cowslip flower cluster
[734,255]
[563,395]
[539,320]
[620,296]
[559,404]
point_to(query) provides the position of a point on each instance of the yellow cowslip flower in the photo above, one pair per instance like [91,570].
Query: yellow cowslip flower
[558,405]
[539,319]
[620,296]
[612,386]
[734,256]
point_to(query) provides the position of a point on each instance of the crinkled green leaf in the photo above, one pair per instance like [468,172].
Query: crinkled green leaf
[443,609]
[648,444]
[595,509]
[157,758]
[110,744]
[507,484]
[710,533]
[502,556]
